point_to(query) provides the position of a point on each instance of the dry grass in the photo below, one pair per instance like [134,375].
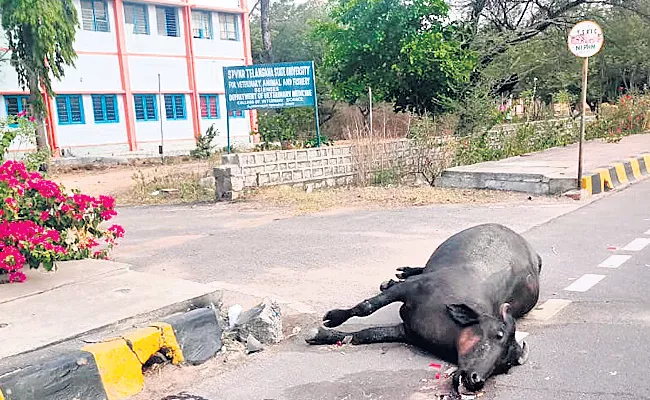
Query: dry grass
[167,186]
[303,202]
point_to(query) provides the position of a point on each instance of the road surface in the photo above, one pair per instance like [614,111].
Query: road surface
[588,338]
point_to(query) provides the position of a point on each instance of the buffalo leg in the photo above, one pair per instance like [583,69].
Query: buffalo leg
[337,317]
[384,334]
[407,272]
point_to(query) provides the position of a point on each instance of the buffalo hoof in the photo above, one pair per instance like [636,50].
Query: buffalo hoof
[321,336]
[335,318]
[523,357]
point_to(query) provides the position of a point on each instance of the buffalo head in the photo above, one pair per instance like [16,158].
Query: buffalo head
[486,344]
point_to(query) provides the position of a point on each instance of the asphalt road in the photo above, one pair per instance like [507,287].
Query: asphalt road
[586,343]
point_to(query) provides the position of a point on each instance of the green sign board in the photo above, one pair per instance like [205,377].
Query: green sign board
[266,86]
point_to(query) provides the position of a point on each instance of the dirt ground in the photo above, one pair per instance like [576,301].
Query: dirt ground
[178,183]
[117,180]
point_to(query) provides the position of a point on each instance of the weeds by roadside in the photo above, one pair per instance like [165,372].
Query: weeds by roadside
[303,202]
[162,186]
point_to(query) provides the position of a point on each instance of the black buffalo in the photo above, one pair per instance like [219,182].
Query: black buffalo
[461,306]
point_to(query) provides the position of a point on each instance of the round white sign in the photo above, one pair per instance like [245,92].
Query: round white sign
[586,39]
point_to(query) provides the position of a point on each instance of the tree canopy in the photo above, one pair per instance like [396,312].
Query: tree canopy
[406,53]
[40,34]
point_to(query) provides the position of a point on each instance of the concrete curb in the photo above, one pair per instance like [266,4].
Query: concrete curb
[616,175]
[112,369]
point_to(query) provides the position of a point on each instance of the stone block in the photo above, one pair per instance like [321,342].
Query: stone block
[287,177]
[317,172]
[307,174]
[336,151]
[314,153]
[282,166]
[290,155]
[274,177]
[250,180]
[270,167]
[230,159]
[304,164]
[317,163]
[237,183]
[282,155]
[263,179]
[292,165]
[328,171]
[302,155]
[297,175]
[270,157]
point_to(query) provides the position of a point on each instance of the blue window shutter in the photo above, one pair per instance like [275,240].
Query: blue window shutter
[179,105]
[62,109]
[137,15]
[98,108]
[110,109]
[150,105]
[75,107]
[13,105]
[169,107]
[139,108]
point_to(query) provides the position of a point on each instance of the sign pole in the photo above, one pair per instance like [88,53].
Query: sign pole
[228,128]
[583,111]
[370,98]
[316,118]
[161,150]
[585,40]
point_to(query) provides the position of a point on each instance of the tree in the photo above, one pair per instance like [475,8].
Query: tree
[40,34]
[265,25]
[403,50]
[292,35]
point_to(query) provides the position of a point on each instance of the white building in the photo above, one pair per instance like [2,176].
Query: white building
[109,103]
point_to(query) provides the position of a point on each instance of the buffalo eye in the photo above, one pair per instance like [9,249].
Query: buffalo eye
[500,335]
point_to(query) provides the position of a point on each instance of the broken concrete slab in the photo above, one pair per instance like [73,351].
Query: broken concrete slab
[263,321]
[85,297]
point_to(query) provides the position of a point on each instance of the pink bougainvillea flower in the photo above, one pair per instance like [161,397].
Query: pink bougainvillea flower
[117,231]
[33,206]
[17,277]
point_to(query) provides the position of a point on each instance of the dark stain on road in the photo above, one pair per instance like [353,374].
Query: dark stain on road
[374,385]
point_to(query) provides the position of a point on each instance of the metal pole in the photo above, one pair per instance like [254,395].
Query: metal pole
[583,99]
[228,128]
[370,97]
[162,136]
[316,118]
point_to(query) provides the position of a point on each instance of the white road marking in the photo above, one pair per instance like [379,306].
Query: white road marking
[548,310]
[637,244]
[648,232]
[614,261]
[584,283]
[520,336]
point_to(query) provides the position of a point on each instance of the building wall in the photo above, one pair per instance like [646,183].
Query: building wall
[122,63]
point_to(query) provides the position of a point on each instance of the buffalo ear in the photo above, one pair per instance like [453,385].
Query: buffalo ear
[462,314]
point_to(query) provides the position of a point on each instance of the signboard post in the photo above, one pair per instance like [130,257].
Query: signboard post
[269,86]
[585,40]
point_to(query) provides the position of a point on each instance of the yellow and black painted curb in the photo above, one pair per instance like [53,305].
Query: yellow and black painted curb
[617,174]
[113,369]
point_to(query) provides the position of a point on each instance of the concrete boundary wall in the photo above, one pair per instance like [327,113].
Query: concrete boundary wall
[318,167]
